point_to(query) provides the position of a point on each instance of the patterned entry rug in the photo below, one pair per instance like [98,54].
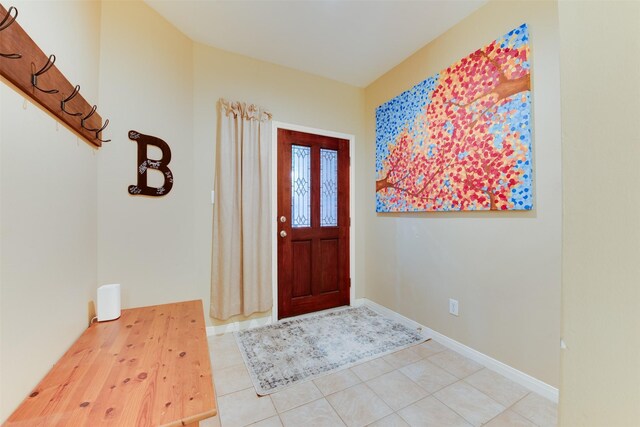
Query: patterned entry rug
[289,352]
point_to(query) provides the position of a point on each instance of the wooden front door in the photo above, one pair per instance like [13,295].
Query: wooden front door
[313,223]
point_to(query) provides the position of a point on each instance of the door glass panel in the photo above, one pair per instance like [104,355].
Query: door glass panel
[328,188]
[300,186]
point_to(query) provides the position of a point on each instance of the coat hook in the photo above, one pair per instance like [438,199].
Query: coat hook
[6,23]
[34,77]
[85,118]
[8,19]
[96,130]
[106,123]
[11,55]
[69,98]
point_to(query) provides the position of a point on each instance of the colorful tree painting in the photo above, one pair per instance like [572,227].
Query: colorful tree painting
[460,140]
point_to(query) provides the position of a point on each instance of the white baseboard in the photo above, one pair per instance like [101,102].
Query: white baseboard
[393,315]
[238,326]
[505,370]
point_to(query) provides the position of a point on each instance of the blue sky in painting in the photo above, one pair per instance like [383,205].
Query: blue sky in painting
[400,112]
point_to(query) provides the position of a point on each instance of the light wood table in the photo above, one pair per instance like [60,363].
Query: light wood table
[148,368]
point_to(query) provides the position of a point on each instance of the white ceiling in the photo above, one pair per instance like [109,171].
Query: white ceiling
[353,41]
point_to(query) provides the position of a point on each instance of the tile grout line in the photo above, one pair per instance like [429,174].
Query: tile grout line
[410,340]
[491,398]
[448,371]
[471,385]
[505,407]
[338,413]
[237,391]
[477,389]
[347,388]
[450,408]
[399,369]
[400,415]
[242,362]
[513,410]
[296,407]
[265,418]
[334,409]
[302,404]
[323,396]
[356,374]
[441,388]
[522,415]
[406,376]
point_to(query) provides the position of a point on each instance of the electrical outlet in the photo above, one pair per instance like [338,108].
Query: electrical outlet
[453,306]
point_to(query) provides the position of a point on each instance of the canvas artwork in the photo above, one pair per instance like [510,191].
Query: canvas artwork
[460,140]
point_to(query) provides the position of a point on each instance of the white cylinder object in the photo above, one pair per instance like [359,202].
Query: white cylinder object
[108,302]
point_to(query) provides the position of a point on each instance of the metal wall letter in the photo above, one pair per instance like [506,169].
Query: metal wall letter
[145,163]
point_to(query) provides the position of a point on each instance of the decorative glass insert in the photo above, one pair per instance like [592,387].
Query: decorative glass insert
[328,188]
[300,186]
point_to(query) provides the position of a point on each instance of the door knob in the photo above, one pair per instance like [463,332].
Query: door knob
[283,233]
[283,219]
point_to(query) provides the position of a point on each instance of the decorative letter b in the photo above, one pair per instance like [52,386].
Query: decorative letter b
[145,163]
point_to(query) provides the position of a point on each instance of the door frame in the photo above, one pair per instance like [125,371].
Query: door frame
[274,206]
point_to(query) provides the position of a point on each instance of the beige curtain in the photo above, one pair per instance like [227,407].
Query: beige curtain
[241,264]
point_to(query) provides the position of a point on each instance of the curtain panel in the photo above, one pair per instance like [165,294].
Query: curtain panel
[241,258]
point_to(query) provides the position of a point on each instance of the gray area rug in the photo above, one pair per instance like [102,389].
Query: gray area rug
[292,351]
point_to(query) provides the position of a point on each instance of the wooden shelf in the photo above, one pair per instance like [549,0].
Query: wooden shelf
[14,40]
[148,368]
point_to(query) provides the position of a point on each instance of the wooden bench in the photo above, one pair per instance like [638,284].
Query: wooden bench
[150,367]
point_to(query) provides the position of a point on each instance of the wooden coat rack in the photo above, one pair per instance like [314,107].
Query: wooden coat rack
[29,69]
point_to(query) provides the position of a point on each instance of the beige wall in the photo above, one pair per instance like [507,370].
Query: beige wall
[47,207]
[146,84]
[68,223]
[503,268]
[292,97]
[155,80]
[80,228]
[601,244]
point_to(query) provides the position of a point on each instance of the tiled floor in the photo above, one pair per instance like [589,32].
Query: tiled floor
[425,385]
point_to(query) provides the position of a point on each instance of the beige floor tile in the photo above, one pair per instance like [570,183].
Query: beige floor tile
[223,342]
[397,390]
[428,348]
[211,422]
[393,420]
[499,388]
[430,412]
[295,396]
[372,369]
[358,406]
[269,422]
[509,419]
[402,358]
[315,414]
[428,376]
[231,379]
[336,382]
[476,407]
[455,363]
[225,357]
[244,407]
[537,409]
[425,368]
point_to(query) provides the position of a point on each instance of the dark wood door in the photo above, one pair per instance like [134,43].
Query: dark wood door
[313,222]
